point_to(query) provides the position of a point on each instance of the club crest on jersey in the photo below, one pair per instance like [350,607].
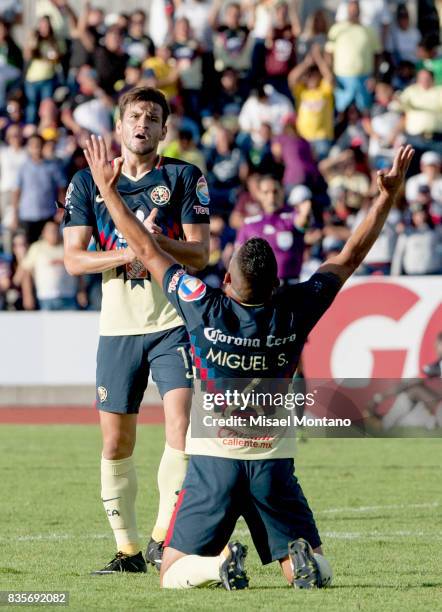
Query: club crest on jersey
[202,191]
[160,195]
[191,289]
[102,393]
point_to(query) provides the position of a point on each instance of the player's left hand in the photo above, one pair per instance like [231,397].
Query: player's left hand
[104,173]
[390,182]
[150,224]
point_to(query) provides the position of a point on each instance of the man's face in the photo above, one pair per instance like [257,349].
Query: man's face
[431,171]
[424,79]
[271,196]
[35,148]
[232,16]
[353,11]
[51,233]
[141,128]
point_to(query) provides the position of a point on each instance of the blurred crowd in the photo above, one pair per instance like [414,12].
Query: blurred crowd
[289,121]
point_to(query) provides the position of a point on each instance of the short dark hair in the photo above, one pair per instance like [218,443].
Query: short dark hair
[144,94]
[257,263]
[36,137]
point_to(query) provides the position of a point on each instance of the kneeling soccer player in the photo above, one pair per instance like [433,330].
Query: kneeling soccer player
[224,482]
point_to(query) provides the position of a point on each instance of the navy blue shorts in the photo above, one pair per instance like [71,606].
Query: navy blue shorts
[217,491]
[124,363]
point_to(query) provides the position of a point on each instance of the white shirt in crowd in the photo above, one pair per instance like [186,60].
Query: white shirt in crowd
[51,280]
[418,251]
[382,250]
[274,112]
[404,42]
[11,161]
[421,180]
[374,14]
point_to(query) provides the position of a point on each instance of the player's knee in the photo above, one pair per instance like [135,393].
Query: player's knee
[170,556]
[118,445]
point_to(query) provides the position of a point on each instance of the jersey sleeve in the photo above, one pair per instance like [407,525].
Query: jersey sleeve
[188,294]
[196,198]
[79,202]
[317,295]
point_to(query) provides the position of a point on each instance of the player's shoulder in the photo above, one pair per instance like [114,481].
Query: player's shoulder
[179,166]
[83,177]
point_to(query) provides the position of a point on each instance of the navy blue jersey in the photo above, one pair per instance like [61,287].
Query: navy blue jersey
[232,340]
[132,304]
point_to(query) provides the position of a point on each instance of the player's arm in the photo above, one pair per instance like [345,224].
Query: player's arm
[194,251]
[139,238]
[365,235]
[78,260]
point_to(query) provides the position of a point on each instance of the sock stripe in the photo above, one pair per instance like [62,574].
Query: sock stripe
[173,519]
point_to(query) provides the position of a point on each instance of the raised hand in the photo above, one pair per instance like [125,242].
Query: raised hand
[149,222]
[390,182]
[104,173]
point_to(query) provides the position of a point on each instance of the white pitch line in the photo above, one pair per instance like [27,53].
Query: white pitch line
[358,509]
[242,532]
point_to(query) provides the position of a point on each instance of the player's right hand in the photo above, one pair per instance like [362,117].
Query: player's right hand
[391,182]
[104,173]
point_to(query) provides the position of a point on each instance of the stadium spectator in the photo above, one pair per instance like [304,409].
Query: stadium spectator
[232,43]
[312,85]
[40,183]
[226,167]
[378,260]
[353,47]
[230,99]
[344,178]
[85,34]
[42,54]
[282,227]
[137,44]
[404,38]
[430,177]
[11,11]
[264,105]
[54,287]
[280,47]
[375,14]
[189,61]
[315,32]
[383,126]
[11,62]
[184,148]
[90,108]
[110,60]
[422,107]
[247,203]
[12,157]
[430,59]
[419,247]
[198,14]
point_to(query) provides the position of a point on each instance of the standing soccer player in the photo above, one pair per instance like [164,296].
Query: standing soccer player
[140,331]
[245,332]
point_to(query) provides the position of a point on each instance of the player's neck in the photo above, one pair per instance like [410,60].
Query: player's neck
[137,166]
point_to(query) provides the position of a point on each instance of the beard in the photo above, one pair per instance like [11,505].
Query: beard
[140,147]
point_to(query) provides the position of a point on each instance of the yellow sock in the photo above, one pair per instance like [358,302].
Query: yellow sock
[171,472]
[118,493]
[192,571]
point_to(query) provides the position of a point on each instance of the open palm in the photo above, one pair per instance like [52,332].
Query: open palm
[390,182]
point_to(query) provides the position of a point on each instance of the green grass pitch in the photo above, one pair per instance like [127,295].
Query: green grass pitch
[378,504]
